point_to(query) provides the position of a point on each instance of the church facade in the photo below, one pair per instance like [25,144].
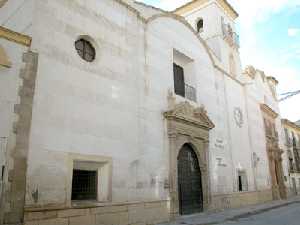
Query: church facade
[116,112]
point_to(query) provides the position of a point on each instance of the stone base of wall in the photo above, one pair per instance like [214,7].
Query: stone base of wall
[239,199]
[144,213]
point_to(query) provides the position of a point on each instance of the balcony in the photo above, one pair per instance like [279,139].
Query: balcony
[190,93]
[289,142]
[230,36]
[293,168]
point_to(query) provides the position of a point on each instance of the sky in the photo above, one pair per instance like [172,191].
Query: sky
[270,41]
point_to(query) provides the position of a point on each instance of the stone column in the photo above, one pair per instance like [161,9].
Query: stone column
[206,176]
[174,210]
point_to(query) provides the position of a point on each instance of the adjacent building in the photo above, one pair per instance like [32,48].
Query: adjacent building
[292,156]
[116,112]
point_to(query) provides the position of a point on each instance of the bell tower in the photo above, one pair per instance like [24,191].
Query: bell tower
[214,21]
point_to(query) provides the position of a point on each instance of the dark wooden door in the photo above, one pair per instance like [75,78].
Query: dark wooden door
[189,182]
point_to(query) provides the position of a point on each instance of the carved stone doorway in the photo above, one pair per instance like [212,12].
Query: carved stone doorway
[276,170]
[188,126]
[189,182]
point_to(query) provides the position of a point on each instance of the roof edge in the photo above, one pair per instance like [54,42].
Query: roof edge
[291,124]
[224,3]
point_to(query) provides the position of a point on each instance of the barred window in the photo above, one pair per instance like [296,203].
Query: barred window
[84,185]
[85,50]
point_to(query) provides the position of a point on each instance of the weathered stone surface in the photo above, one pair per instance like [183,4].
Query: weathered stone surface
[72,212]
[108,209]
[57,221]
[29,216]
[136,214]
[120,218]
[83,220]
[31,223]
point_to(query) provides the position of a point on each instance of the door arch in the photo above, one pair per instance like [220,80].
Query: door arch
[190,192]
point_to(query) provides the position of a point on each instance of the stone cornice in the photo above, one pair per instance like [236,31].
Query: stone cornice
[290,124]
[196,3]
[15,36]
[266,109]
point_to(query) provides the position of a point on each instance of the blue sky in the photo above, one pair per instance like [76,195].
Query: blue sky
[270,41]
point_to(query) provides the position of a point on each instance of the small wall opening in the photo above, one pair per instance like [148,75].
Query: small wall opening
[84,185]
[91,181]
[200,25]
[242,181]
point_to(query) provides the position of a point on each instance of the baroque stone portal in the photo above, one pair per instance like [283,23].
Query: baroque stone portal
[188,125]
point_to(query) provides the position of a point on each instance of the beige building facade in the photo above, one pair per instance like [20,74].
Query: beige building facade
[116,112]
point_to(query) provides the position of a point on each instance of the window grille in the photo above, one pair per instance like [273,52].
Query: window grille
[84,185]
[190,93]
[85,50]
[230,36]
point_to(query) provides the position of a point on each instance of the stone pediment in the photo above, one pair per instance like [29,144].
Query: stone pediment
[186,113]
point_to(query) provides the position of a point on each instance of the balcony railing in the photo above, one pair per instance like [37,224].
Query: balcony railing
[190,93]
[293,168]
[288,142]
[230,36]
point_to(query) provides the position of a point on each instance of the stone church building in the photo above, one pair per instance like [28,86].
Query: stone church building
[116,112]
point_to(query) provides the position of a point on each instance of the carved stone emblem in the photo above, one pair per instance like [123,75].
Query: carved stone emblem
[238,117]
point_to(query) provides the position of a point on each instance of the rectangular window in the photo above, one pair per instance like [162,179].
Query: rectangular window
[242,181]
[179,84]
[291,164]
[2,172]
[84,185]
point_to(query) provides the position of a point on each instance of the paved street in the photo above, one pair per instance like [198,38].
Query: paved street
[288,215]
[280,212]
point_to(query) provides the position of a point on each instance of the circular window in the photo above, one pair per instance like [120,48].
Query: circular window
[85,50]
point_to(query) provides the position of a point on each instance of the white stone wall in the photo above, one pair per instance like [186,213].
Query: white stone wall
[113,106]
[92,108]
[18,15]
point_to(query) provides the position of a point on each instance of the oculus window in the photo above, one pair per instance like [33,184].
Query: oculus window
[85,50]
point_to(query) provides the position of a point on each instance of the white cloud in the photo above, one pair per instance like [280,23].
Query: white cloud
[292,32]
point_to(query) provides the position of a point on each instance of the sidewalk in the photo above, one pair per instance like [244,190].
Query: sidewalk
[211,218]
